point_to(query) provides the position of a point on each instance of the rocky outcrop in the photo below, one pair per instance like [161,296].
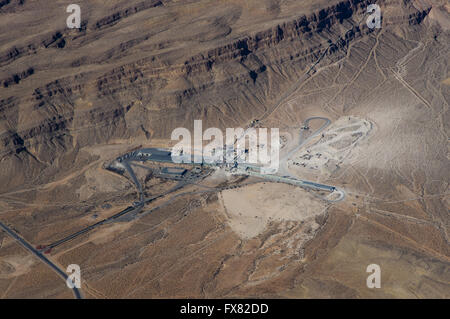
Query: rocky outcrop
[135,86]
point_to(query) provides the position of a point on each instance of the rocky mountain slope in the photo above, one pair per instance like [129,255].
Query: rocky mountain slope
[136,70]
[142,69]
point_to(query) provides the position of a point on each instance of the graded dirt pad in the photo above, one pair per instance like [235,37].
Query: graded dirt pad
[251,208]
[333,149]
[71,101]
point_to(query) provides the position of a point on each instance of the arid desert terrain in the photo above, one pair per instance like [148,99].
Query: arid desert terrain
[86,117]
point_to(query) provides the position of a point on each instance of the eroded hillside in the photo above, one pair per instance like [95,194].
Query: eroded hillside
[73,100]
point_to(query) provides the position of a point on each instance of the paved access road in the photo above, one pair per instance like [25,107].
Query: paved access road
[38,254]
